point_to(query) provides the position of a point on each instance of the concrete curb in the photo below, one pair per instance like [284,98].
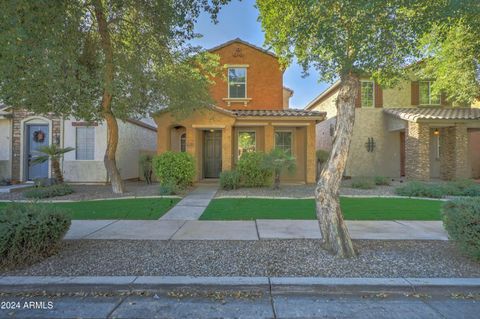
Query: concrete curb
[145,281]
[86,200]
[313,197]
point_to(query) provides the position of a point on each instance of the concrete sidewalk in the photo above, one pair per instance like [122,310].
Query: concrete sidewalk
[192,206]
[249,230]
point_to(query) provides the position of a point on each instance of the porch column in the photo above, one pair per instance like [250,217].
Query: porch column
[311,161]
[227,148]
[191,145]
[163,138]
[461,151]
[269,138]
[417,151]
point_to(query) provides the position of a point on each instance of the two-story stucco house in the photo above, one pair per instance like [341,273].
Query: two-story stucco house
[405,131]
[251,106]
[21,133]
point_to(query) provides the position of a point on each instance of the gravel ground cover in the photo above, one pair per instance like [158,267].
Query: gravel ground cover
[301,191]
[84,192]
[253,258]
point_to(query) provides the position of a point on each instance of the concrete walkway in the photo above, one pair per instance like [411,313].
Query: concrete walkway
[191,207]
[249,230]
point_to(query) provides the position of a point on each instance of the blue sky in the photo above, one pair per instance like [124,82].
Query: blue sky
[238,19]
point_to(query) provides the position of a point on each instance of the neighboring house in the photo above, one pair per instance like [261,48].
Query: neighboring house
[251,113]
[22,132]
[405,131]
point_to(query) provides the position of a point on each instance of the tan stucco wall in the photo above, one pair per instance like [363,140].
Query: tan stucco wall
[398,96]
[385,159]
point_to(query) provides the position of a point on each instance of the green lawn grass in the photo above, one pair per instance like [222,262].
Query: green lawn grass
[353,209]
[140,208]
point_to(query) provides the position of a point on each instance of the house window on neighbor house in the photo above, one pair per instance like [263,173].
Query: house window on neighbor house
[284,141]
[85,143]
[246,142]
[183,142]
[425,94]
[237,83]
[367,93]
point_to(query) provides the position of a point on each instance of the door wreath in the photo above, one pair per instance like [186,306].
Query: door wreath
[39,136]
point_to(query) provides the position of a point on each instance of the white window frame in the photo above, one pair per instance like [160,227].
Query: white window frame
[373,93]
[76,143]
[228,80]
[238,140]
[429,84]
[292,132]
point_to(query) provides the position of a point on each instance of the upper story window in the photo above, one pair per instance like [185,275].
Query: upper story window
[246,142]
[367,93]
[425,94]
[85,143]
[237,83]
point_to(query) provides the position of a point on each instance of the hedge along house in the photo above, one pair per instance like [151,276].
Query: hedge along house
[22,132]
[405,131]
[251,114]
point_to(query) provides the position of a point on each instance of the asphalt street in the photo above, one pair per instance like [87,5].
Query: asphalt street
[239,303]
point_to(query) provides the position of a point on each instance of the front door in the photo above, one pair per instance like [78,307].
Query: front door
[37,136]
[212,154]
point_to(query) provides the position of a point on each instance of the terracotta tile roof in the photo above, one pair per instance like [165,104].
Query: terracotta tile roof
[274,113]
[437,113]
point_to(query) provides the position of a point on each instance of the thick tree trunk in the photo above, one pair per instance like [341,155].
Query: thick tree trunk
[112,125]
[334,231]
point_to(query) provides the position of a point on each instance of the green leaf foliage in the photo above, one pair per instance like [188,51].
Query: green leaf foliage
[461,219]
[48,191]
[30,233]
[452,52]
[174,169]
[252,171]
[337,38]
[52,58]
[229,180]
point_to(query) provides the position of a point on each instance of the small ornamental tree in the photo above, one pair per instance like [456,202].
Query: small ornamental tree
[103,60]
[54,153]
[279,161]
[344,40]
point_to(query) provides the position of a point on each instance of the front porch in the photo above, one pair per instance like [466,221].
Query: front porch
[216,138]
[438,143]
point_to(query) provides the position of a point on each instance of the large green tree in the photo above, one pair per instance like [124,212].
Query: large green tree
[343,40]
[103,60]
[452,57]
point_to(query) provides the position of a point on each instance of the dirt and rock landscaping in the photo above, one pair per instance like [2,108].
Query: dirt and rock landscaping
[97,191]
[253,258]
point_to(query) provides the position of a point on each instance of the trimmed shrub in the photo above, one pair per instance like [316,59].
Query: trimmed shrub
[48,191]
[252,171]
[438,190]
[177,168]
[461,219]
[363,183]
[30,232]
[382,180]
[229,180]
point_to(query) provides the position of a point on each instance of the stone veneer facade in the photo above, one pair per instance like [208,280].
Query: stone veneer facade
[454,152]
[17,144]
[417,151]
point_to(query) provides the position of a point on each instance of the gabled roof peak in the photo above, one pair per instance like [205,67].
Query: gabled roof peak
[238,40]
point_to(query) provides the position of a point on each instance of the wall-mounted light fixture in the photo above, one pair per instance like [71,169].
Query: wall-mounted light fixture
[370,145]
[436,132]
